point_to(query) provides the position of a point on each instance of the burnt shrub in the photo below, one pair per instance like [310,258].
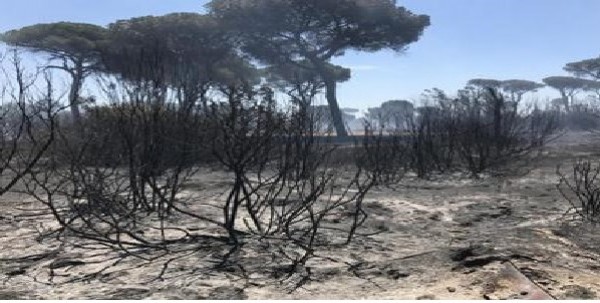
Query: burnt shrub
[119,180]
[125,163]
[29,110]
[581,117]
[581,189]
[289,185]
[478,131]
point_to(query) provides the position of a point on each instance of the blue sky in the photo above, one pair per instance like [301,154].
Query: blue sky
[501,39]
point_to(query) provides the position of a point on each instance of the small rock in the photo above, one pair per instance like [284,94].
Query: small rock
[502,211]
[461,253]
[396,274]
[524,293]
[451,289]
[464,223]
[426,297]
[437,216]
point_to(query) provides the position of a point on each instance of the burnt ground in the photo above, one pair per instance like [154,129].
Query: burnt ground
[448,238]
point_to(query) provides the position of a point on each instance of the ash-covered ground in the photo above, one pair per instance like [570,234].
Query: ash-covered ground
[449,238]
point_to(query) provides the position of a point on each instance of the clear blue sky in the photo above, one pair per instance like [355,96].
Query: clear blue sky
[501,39]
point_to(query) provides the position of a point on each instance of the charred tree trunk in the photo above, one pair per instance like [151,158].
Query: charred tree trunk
[330,94]
[77,77]
[336,114]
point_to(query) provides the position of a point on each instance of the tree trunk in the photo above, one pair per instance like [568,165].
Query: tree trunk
[330,94]
[74,95]
[566,102]
[336,114]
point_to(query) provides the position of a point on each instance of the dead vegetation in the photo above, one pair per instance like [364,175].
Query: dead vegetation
[158,194]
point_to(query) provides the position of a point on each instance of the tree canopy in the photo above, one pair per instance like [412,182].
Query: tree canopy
[398,113]
[180,41]
[516,88]
[585,68]
[76,47]
[485,83]
[188,52]
[375,115]
[61,40]
[567,86]
[284,30]
[593,87]
[292,73]
[397,107]
[280,32]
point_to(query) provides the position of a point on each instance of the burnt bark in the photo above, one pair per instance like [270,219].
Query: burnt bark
[336,114]
[77,76]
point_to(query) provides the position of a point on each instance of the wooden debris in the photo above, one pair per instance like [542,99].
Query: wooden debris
[511,283]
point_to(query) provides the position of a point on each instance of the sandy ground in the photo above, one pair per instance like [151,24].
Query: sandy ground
[449,238]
